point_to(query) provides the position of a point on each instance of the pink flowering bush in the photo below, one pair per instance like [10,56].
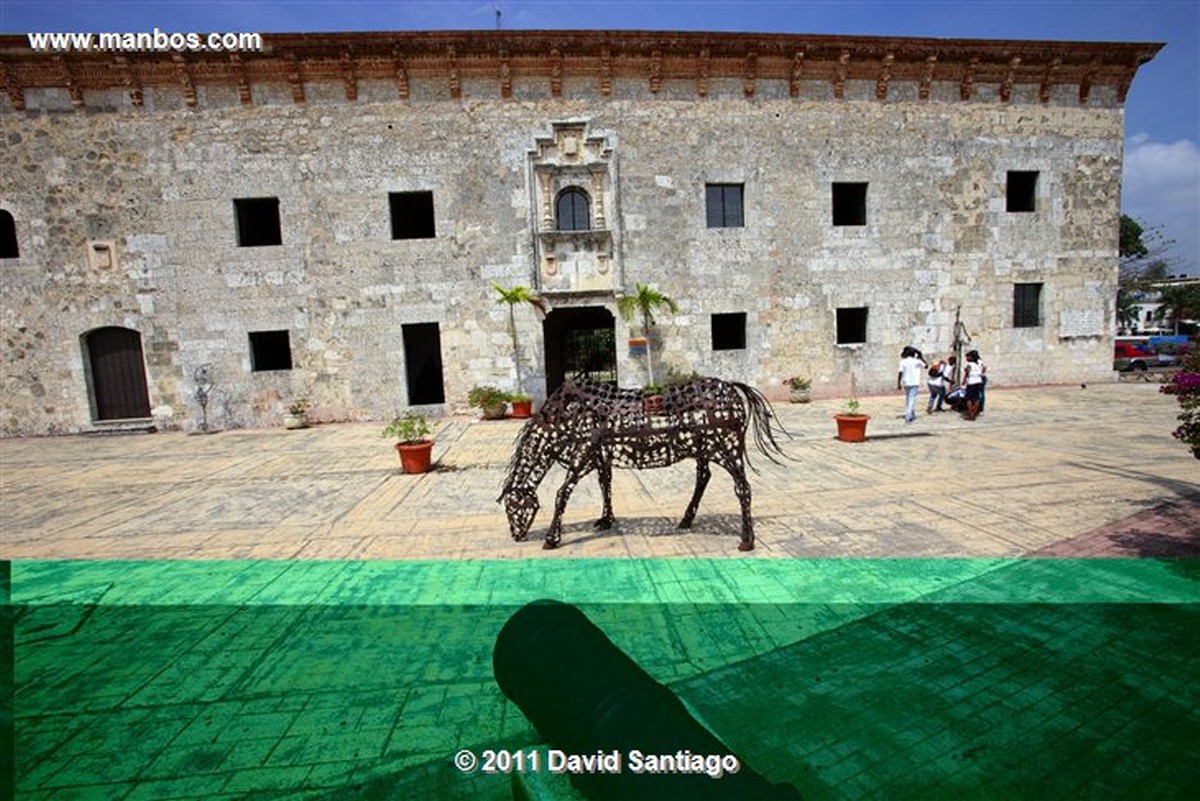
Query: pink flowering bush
[1185,386]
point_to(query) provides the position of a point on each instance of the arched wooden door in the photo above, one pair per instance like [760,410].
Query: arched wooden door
[118,374]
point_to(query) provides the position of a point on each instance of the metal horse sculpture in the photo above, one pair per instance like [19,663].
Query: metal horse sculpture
[586,426]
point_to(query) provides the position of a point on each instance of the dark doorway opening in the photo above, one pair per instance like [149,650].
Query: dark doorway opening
[118,374]
[580,343]
[423,363]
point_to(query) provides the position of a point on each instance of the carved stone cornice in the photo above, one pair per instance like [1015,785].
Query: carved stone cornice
[183,78]
[243,82]
[749,81]
[885,76]
[842,72]
[605,57]
[927,77]
[797,74]
[400,73]
[348,77]
[16,94]
[131,83]
[505,74]
[556,72]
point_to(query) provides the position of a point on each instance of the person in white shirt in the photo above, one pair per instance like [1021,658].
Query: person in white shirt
[909,379]
[973,377]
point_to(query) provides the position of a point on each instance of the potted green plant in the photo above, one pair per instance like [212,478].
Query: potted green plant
[522,405]
[851,423]
[492,401]
[297,414]
[652,398]
[799,388]
[413,444]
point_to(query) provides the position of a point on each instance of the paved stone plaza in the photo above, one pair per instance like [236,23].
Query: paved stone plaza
[1040,467]
[275,614]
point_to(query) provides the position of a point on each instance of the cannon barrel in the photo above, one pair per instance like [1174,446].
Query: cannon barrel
[585,696]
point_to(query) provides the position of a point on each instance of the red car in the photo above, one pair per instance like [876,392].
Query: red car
[1128,356]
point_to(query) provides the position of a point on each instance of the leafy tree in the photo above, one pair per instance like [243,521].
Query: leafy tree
[1145,260]
[1146,254]
[1131,244]
[513,296]
[643,304]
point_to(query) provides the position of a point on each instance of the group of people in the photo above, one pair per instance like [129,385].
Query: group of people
[967,396]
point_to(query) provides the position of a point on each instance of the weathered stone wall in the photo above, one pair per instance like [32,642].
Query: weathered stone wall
[159,181]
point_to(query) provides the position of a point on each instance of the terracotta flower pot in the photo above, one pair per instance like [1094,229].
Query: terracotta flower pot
[852,427]
[653,404]
[415,457]
[522,408]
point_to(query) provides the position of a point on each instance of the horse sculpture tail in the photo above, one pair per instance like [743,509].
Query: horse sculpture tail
[762,422]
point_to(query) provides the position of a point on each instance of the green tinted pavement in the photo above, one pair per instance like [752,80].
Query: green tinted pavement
[889,678]
[914,623]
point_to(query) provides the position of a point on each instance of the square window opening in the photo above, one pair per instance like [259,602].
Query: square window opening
[257,221]
[729,331]
[852,325]
[724,206]
[1022,191]
[412,215]
[1027,305]
[849,204]
[270,350]
[8,236]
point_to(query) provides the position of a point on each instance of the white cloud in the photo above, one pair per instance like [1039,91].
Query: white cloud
[1162,188]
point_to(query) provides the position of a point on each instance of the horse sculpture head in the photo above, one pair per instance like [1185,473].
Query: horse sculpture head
[521,506]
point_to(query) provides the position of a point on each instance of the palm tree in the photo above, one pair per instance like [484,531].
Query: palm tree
[1128,312]
[644,303]
[512,296]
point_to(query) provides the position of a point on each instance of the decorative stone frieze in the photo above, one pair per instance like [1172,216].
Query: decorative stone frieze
[451,59]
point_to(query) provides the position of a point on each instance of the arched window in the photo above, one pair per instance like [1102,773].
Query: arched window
[8,236]
[571,210]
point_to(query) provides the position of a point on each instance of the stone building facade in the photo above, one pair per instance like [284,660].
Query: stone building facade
[323,218]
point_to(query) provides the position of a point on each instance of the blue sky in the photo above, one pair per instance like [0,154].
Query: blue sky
[1162,115]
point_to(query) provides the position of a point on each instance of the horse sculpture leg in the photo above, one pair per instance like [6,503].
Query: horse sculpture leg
[703,473]
[554,533]
[741,488]
[604,474]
